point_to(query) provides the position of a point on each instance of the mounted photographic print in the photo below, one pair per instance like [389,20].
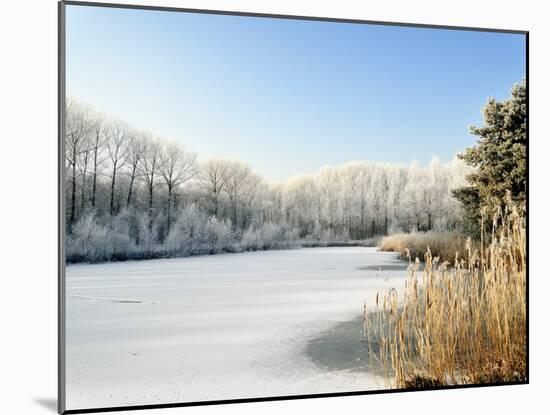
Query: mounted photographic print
[258,207]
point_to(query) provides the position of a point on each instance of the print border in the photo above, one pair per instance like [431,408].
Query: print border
[61,202]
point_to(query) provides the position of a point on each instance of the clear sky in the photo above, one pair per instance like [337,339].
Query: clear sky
[287,96]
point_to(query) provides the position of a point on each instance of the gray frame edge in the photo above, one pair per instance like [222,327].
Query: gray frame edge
[61,363]
[289,17]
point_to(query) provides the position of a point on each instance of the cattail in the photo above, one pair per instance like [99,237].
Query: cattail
[464,325]
[365,319]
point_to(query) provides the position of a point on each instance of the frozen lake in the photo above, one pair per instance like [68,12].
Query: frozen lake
[216,327]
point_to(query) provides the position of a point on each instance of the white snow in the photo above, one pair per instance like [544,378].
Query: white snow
[214,327]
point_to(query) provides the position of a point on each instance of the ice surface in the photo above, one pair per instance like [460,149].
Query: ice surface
[215,327]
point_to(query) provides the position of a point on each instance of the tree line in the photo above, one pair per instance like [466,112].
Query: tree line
[130,194]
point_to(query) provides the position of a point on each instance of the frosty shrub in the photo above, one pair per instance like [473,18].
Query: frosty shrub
[218,235]
[148,237]
[269,236]
[251,240]
[188,234]
[88,241]
[119,242]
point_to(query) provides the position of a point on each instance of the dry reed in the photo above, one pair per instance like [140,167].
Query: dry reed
[443,244]
[462,322]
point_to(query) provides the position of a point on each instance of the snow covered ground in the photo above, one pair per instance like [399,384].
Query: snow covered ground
[215,327]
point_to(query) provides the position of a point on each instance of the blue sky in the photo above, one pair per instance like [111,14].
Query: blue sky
[286,96]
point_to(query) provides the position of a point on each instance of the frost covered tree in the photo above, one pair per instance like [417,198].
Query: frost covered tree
[97,147]
[176,168]
[302,203]
[379,192]
[136,151]
[397,179]
[236,183]
[77,130]
[362,182]
[413,194]
[251,188]
[149,172]
[83,162]
[328,183]
[435,191]
[117,148]
[213,175]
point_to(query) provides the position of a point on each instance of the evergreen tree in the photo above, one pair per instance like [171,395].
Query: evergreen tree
[499,158]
